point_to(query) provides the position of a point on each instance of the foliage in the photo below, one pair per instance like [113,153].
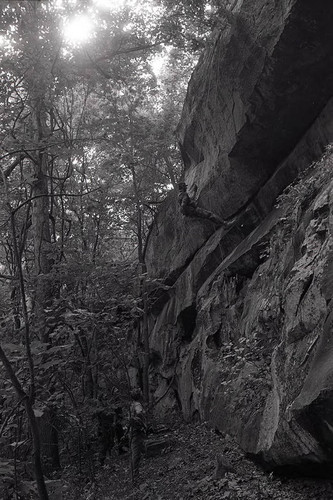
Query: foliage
[88,154]
[304,189]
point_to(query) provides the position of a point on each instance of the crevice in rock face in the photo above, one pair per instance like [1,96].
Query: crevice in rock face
[177,398]
[247,264]
[190,153]
[322,212]
[307,285]
[155,358]
[317,419]
[297,242]
[309,468]
[196,416]
[327,284]
[308,200]
[214,342]
[196,368]
[239,284]
[187,320]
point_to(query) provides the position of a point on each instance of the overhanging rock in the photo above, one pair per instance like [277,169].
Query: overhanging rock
[254,118]
[253,96]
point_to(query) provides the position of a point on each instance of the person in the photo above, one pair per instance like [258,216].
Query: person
[189,207]
[138,431]
[110,429]
[119,430]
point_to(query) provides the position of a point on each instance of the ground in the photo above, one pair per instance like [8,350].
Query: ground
[186,469]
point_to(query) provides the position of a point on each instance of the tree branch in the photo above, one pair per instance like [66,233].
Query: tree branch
[11,167]
[53,195]
[128,50]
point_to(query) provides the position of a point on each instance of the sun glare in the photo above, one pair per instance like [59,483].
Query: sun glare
[78,29]
[112,4]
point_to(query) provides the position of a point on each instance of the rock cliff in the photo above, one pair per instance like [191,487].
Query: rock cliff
[242,336]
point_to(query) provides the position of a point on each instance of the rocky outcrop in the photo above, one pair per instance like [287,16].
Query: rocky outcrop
[269,338]
[253,97]
[241,336]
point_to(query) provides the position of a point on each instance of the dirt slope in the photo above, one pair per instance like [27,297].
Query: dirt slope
[186,470]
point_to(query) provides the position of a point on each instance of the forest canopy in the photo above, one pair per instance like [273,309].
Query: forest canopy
[91,92]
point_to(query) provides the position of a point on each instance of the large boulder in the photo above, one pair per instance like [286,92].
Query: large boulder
[241,336]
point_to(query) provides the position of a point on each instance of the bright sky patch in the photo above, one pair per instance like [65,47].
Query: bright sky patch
[113,4]
[78,29]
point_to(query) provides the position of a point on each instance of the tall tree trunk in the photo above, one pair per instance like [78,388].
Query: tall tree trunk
[43,261]
[41,227]
[41,232]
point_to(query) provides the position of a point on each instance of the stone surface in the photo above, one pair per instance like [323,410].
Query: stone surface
[253,96]
[251,350]
[184,236]
[242,336]
[227,186]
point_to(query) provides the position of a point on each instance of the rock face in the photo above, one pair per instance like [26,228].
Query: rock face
[243,336]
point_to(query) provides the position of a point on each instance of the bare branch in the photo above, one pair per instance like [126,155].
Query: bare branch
[128,50]
[53,195]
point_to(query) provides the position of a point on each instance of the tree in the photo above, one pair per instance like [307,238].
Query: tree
[88,154]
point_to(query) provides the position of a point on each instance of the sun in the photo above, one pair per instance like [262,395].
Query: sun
[78,29]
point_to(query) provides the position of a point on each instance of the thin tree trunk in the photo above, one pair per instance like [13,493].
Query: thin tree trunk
[145,371]
[24,307]
[41,487]
[145,332]
[18,264]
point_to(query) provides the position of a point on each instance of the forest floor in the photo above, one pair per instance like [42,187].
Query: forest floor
[186,469]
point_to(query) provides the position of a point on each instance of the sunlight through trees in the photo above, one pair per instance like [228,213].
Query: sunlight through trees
[91,93]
